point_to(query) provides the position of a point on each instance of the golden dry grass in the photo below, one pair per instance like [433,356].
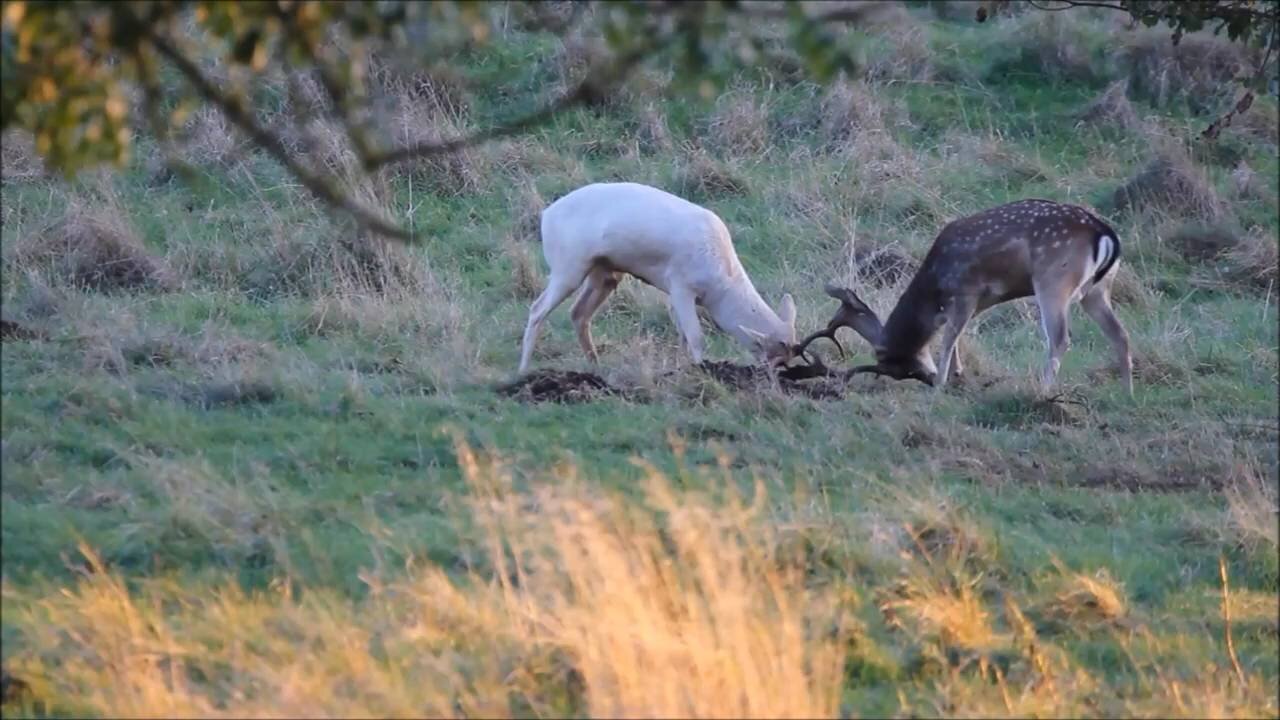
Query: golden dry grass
[588,603]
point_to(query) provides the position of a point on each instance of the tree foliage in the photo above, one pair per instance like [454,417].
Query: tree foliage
[77,73]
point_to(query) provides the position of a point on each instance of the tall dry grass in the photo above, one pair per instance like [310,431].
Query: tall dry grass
[586,605]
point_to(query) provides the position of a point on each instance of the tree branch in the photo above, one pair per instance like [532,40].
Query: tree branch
[235,111]
[1070,4]
[582,92]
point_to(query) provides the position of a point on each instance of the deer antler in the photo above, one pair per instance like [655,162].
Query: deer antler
[853,314]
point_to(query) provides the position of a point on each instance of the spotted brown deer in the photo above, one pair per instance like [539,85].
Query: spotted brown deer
[595,234]
[1059,253]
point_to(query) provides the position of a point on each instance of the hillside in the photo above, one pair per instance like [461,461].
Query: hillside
[258,463]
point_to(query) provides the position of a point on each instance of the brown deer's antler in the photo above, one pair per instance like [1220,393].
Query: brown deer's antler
[853,314]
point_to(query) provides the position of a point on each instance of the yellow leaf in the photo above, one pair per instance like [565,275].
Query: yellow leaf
[115,107]
[46,89]
[259,59]
[13,13]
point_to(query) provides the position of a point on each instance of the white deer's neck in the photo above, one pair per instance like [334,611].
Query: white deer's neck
[736,305]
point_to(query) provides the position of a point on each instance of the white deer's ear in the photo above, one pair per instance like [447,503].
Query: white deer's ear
[756,335]
[787,310]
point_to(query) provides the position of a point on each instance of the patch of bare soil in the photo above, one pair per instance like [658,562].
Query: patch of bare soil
[560,386]
[1122,477]
[790,380]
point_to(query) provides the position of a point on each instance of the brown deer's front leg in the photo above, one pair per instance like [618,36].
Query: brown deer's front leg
[958,315]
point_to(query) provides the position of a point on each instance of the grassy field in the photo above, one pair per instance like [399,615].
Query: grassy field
[255,463]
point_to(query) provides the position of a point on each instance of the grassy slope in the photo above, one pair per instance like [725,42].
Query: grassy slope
[351,465]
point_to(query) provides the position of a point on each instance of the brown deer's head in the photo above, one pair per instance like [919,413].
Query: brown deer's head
[856,315]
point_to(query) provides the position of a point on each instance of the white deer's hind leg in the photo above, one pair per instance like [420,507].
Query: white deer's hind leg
[600,284]
[1097,303]
[559,287]
[685,309]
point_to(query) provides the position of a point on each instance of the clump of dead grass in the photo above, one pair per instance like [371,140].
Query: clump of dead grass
[1086,600]
[906,57]
[528,205]
[586,606]
[1253,515]
[19,161]
[1261,122]
[1128,288]
[207,138]
[526,273]
[1224,254]
[701,176]
[1253,262]
[993,154]
[1111,109]
[333,261]
[92,245]
[438,87]
[1198,70]
[1170,183]
[848,109]
[653,136]
[739,124]
[1053,44]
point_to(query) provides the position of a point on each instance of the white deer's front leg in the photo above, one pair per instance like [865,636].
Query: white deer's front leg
[685,309]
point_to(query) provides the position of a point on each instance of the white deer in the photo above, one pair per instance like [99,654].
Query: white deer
[1061,254]
[593,235]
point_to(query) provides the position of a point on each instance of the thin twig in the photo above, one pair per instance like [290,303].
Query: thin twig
[1226,619]
[576,96]
[239,115]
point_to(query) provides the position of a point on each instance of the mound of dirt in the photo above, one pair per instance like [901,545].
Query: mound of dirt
[1135,480]
[560,386]
[755,377]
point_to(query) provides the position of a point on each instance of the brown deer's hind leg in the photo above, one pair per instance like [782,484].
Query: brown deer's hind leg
[1053,298]
[1097,303]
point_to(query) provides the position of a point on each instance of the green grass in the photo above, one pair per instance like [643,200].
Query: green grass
[350,469]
